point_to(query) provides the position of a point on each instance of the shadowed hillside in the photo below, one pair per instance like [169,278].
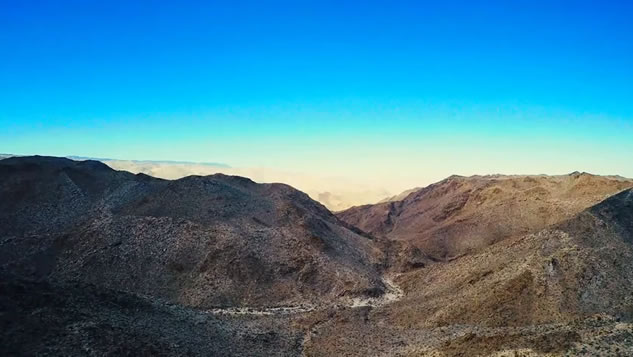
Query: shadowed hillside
[200,241]
[73,319]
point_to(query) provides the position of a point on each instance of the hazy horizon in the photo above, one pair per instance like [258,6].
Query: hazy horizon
[336,193]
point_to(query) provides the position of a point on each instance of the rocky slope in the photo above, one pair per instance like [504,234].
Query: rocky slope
[573,269]
[199,241]
[462,215]
[564,290]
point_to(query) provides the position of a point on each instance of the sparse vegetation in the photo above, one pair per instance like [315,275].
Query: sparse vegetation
[101,262]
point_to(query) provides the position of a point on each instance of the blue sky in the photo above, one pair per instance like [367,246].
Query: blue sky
[392,89]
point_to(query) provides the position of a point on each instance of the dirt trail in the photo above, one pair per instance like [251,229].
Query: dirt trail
[262,311]
[392,293]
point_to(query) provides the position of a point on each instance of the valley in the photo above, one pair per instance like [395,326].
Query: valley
[96,261]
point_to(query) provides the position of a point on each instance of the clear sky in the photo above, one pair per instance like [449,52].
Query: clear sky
[397,92]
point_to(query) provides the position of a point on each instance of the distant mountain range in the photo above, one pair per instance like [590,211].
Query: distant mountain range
[139,162]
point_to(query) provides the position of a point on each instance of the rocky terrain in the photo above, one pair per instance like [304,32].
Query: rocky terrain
[462,215]
[75,319]
[199,241]
[96,262]
[577,268]
[567,289]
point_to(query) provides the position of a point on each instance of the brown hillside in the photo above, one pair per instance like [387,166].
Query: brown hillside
[465,214]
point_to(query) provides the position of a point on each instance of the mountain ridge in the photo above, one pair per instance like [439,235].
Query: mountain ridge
[203,241]
[464,214]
